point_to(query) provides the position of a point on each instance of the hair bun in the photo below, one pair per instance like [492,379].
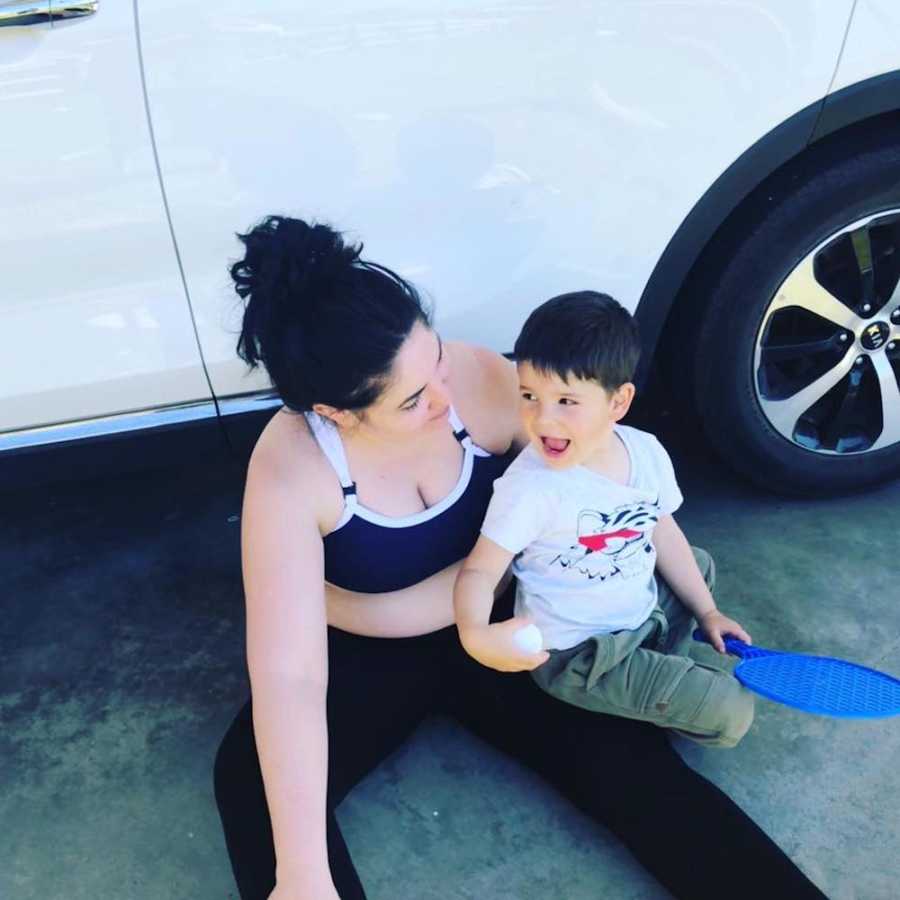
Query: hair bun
[289,268]
[288,257]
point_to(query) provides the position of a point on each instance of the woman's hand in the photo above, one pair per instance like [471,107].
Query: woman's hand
[715,626]
[493,646]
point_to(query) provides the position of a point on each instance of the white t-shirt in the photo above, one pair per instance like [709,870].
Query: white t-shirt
[585,556]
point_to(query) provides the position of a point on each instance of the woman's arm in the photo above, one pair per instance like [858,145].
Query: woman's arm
[287,657]
[424,607]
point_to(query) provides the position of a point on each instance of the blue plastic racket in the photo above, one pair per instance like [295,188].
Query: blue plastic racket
[816,684]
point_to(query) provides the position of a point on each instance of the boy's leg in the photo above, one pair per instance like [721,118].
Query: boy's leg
[647,674]
[703,703]
[681,621]
[627,777]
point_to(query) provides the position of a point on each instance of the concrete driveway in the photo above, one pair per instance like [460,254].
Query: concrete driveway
[122,661]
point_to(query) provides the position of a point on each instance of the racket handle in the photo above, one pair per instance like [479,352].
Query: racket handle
[735,647]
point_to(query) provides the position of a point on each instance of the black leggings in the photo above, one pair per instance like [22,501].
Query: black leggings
[630,781]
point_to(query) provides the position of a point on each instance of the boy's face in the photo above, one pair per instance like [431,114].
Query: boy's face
[569,423]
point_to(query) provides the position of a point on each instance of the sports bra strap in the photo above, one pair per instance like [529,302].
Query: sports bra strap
[459,430]
[461,433]
[329,441]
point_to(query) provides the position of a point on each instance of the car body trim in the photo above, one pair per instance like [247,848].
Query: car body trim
[87,429]
[249,403]
[142,420]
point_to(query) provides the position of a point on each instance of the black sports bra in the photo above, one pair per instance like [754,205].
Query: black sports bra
[373,553]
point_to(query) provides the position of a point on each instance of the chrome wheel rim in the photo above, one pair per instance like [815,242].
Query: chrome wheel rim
[827,354]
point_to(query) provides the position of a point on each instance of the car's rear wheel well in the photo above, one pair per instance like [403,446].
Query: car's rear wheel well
[678,334]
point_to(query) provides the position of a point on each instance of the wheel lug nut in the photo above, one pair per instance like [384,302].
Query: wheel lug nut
[867,307]
[860,360]
[891,345]
[844,337]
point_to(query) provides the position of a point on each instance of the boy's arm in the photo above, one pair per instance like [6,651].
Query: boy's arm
[676,563]
[473,595]
[473,598]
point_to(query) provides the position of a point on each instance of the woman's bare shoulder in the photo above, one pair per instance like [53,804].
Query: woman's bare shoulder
[287,461]
[485,391]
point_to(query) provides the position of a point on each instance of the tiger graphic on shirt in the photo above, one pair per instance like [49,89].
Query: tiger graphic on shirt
[611,544]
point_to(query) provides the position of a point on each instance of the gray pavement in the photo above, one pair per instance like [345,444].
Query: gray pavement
[121,651]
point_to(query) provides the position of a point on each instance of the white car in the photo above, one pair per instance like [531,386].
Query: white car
[729,171]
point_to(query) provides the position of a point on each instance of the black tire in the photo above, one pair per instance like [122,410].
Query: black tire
[781,225]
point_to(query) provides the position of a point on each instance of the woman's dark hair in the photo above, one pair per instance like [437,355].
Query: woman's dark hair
[325,324]
[585,334]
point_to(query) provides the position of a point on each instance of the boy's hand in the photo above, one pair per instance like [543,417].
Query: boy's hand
[493,646]
[715,626]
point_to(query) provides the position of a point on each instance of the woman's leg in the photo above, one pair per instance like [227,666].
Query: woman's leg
[378,691]
[625,774]
[245,819]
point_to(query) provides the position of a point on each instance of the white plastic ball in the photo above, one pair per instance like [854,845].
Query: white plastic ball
[529,639]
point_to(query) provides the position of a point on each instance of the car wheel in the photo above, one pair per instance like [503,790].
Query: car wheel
[797,359]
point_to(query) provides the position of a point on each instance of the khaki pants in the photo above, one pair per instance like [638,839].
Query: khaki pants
[647,674]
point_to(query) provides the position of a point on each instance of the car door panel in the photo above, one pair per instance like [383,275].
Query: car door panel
[95,316]
[495,154]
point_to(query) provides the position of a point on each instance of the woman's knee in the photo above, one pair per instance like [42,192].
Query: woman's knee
[236,765]
[640,755]
[223,767]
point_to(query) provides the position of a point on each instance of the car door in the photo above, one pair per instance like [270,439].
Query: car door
[94,314]
[495,154]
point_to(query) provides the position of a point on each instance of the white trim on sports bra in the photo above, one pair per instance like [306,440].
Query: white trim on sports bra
[328,437]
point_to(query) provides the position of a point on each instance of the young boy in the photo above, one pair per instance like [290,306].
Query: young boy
[585,515]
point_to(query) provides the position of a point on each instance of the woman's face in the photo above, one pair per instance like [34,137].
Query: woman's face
[417,396]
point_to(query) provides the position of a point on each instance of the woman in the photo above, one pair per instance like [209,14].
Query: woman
[363,496]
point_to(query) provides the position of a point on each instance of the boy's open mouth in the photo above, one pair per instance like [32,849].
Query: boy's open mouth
[554,446]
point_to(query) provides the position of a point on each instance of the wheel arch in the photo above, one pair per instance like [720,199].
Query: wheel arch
[819,131]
